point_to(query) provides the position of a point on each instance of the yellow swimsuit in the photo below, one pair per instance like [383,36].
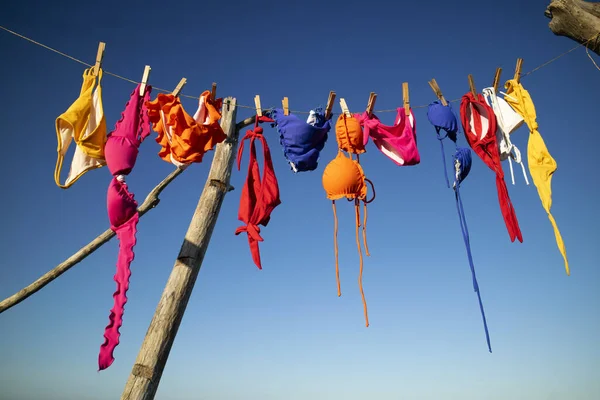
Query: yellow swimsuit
[83,121]
[541,163]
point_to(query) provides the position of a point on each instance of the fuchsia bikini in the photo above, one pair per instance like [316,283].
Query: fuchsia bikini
[397,142]
[121,152]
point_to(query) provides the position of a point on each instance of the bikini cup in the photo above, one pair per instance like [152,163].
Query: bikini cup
[344,177]
[349,134]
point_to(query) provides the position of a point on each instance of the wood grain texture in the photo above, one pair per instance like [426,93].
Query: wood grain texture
[576,19]
[149,203]
[146,373]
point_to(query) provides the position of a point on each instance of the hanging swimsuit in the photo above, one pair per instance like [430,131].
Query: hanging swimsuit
[443,118]
[83,122]
[462,166]
[541,164]
[398,142]
[508,121]
[349,134]
[187,138]
[259,198]
[477,116]
[121,152]
[344,177]
[302,141]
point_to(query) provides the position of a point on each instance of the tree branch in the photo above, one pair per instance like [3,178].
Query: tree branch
[576,19]
[247,122]
[149,203]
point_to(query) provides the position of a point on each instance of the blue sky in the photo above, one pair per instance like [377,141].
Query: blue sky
[282,333]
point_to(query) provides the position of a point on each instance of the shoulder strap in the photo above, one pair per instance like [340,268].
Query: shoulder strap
[462,164]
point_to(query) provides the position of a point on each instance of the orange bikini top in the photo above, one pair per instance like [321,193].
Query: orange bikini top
[344,177]
[185,138]
[349,134]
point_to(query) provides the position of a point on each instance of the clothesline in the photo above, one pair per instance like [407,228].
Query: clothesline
[292,111]
[342,178]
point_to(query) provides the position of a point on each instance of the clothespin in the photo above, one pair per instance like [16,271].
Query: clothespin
[329,107]
[472,86]
[371,103]
[99,57]
[145,79]
[438,92]
[406,98]
[286,106]
[518,69]
[180,86]
[344,107]
[257,104]
[213,92]
[497,79]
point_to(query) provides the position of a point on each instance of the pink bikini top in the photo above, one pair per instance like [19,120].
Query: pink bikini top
[398,142]
[121,152]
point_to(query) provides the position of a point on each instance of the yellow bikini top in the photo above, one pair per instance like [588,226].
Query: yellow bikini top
[85,123]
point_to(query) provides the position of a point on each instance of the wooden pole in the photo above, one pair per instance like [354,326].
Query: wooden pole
[576,19]
[152,358]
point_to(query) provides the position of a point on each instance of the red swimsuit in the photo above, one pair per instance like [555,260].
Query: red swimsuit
[476,110]
[259,198]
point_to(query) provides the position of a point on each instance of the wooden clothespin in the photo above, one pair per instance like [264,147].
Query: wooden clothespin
[329,107]
[406,98]
[344,107]
[257,104]
[472,85]
[286,106]
[213,92]
[180,86]
[145,79]
[371,103]
[438,92]
[497,78]
[518,69]
[99,57]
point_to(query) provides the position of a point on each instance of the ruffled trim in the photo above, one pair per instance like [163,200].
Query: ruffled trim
[142,111]
[126,234]
[144,125]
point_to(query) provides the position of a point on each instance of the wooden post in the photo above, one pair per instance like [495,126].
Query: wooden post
[576,19]
[150,363]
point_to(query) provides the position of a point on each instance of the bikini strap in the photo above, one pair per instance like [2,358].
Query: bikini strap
[462,165]
[335,247]
[361,265]
[441,140]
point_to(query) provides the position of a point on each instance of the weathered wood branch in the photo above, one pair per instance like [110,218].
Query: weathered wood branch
[149,203]
[151,360]
[576,19]
[247,122]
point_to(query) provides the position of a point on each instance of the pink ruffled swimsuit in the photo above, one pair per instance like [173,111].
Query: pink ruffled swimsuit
[121,152]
